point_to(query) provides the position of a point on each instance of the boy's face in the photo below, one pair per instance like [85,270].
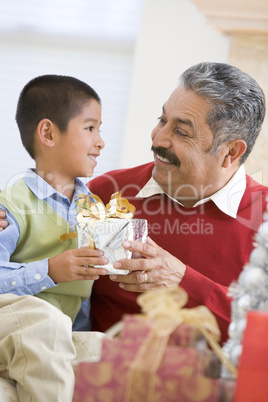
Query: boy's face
[80,145]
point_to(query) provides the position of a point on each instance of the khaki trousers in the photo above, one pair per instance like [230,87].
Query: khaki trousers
[38,349]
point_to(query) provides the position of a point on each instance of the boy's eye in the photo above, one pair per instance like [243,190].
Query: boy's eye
[90,128]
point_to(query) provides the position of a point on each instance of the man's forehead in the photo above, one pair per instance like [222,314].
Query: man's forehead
[178,117]
[175,97]
[185,104]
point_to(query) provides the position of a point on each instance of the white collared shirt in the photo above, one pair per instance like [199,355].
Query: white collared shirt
[227,199]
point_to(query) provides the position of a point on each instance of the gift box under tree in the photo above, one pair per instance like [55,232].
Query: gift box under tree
[162,355]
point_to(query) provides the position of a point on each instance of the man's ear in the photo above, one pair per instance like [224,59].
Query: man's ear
[45,130]
[233,152]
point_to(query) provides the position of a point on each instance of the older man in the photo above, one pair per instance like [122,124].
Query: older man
[202,209]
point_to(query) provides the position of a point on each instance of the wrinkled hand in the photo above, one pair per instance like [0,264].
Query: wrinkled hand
[3,222]
[153,267]
[77,264]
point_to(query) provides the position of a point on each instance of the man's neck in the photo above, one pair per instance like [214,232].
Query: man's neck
[189,199]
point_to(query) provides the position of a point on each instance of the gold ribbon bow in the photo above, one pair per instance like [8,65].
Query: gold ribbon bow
[164,306]
[92,206]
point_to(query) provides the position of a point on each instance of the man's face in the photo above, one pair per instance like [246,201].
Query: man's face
[181,141]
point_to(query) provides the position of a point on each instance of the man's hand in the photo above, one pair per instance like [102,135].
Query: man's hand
[3,222]
[76,264]
[154,268]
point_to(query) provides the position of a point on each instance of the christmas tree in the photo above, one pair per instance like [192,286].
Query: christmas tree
[249,293]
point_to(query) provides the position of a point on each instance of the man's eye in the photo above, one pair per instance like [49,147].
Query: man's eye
[161,120]
[178,132]
[90,128]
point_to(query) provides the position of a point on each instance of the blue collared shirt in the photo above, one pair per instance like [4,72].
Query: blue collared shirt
[32,278]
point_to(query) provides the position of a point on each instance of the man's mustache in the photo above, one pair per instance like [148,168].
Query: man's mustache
[164,153]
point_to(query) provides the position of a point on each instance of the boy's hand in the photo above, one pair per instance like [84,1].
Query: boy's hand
[77,264]
[3,222]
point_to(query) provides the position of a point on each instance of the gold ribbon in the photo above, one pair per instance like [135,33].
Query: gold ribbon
[164,306]
[67,236]
[92,206]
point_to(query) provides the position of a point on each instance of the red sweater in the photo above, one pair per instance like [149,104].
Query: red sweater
[214,246]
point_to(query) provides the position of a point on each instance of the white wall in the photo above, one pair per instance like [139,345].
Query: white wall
[96,43]
[173,36]
[91,40]
[108,72]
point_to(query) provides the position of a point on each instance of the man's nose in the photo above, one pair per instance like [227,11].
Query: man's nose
[162,137]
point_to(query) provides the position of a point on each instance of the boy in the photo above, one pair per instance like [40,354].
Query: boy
[58,119]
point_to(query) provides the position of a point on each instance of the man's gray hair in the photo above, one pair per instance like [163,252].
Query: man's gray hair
[238,102]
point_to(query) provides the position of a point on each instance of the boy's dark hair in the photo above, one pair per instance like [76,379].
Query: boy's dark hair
[58,98]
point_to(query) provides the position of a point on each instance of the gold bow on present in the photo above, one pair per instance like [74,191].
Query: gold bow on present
[164,306]
[92,206]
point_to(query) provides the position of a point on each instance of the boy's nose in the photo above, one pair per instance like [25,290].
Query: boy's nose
[100,143]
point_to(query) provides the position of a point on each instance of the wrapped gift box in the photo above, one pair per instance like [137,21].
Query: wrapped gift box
[108,236]
[252,384]
[148,364]
[106,227]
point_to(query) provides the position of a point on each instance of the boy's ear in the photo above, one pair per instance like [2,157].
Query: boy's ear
[234,151]
[45,130]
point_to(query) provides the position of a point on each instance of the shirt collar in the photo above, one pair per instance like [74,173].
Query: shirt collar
[43,190]
[227,199]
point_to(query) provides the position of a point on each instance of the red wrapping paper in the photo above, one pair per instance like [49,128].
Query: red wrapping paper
[138,367]
[252,381]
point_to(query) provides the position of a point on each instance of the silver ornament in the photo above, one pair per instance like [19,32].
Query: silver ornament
[252,278]
[244,304]
[258,257]
[262,235]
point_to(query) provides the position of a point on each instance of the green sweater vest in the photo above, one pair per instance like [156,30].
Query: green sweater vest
[40,231]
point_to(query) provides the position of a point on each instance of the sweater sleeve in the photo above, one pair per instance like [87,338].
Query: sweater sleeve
[204,291]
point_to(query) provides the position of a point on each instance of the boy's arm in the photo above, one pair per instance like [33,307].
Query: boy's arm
[33,277]
[20,278]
